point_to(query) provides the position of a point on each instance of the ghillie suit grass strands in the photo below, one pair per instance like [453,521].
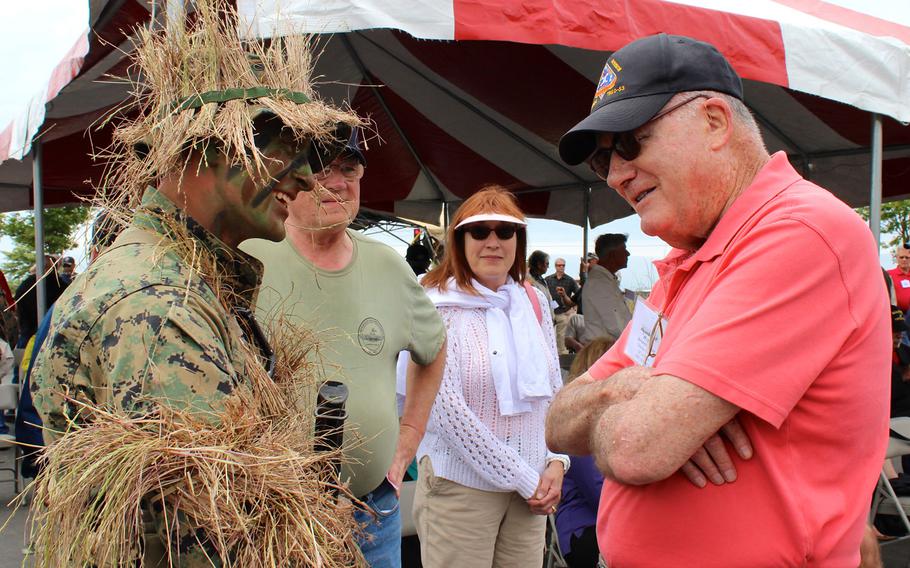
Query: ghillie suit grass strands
[247,478]
[201,85]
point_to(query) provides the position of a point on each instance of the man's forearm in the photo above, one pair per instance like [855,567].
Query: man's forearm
[577,408]
[422,386]
[653,434]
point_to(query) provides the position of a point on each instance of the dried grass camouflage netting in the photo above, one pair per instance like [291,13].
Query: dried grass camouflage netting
[199,84]
[246,480]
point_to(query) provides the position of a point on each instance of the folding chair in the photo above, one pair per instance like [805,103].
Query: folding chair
[9,400]
[885,500]
[553,555]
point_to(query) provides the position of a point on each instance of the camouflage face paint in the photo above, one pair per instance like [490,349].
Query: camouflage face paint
[302,160]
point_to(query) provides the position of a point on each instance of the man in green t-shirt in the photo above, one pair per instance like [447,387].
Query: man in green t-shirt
[363,296]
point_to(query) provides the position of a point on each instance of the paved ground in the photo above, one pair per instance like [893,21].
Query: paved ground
[896,554]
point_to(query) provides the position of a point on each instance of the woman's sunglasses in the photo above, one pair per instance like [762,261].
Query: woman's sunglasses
[480,232]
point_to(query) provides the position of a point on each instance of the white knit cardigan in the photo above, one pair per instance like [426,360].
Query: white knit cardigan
[468,440]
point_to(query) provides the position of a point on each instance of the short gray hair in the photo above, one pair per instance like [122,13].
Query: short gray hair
[741,112]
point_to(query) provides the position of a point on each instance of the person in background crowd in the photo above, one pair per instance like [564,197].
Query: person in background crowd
[486,479]
[584,266]
[900,365]
[325,275]
[761,261]
[575,332]
[7,371]
[538,264]
[9,323]
[67,269]
[900,276]
[605,309]
[5,290]
[576,518]
[26,298]
[418,257]
[562,288]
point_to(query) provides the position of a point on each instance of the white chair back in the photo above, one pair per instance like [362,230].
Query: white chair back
[9,396]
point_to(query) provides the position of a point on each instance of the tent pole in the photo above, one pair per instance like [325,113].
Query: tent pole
[875,200]
[39,229]
[586,224]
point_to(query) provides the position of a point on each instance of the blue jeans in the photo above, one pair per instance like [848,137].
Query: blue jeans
[381,539]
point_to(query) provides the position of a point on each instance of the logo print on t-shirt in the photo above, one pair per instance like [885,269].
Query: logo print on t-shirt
[371,336]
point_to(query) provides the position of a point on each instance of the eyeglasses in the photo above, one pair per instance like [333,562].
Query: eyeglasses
[479,232]
[627,144]
[350,170]
[657,333]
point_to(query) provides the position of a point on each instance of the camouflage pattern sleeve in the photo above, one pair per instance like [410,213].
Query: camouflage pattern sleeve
[161,342]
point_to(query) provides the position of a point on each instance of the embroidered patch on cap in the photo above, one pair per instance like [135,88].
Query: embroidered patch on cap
[608,79]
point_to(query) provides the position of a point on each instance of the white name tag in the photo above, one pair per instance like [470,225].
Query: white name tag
[905,283]
[645,332]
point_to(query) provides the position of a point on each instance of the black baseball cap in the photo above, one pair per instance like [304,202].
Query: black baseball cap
[639,79]
[324,152]
[354,147]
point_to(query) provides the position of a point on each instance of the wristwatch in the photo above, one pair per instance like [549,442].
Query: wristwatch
[564,460]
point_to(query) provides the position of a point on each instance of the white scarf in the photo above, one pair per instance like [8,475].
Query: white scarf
[515,342]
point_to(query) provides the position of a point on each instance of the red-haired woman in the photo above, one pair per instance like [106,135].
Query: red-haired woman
[486,479]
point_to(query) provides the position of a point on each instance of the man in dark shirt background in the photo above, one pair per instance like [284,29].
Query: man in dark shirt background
[27,303]
[562,289]
[900,366]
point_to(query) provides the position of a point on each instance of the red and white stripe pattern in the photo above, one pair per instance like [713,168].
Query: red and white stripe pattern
[70,44]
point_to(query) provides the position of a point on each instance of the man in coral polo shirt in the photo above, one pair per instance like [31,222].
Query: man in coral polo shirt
[769,316]
[900,275]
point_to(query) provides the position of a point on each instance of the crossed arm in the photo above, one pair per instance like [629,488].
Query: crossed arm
[641,427]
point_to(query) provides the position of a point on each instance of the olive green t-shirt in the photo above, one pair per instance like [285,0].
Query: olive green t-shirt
[365,314]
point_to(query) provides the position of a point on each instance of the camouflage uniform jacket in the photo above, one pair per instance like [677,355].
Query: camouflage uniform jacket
[141,323]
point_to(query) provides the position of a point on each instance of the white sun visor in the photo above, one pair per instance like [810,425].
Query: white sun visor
[491,217]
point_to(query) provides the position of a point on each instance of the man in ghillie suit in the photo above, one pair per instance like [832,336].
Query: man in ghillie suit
[228,132]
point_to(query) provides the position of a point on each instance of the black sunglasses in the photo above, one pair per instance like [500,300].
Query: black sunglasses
[479,232]
[626,144]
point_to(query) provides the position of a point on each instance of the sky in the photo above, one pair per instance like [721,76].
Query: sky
[39,33]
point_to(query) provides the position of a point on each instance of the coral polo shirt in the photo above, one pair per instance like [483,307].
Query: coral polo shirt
[901,288]
[782,313]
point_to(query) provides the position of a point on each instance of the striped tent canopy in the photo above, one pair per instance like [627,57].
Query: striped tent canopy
[464,93]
